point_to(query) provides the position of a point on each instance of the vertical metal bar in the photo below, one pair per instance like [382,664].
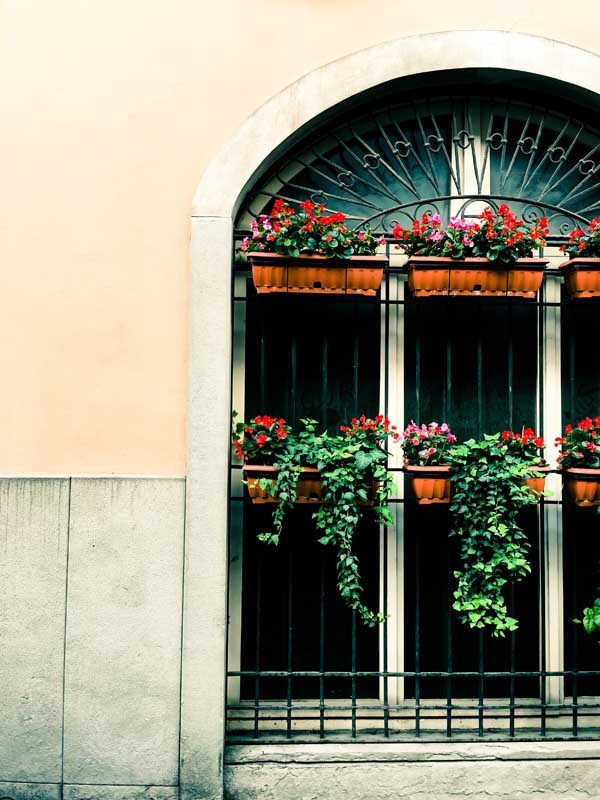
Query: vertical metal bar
[386,708]
[510,368]
[289,643]
[418,372]
[448,391]
[571,414]
[262,368]
[513,647]
[543,584]
[575,720]
[259,570]
[356,410]
[479,381]
[481,685]
[324,381]
[293,382]
[322,647]
[449,583]
[417,636]
[353,679]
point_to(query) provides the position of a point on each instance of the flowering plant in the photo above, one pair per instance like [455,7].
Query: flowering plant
[426,445]
[310,230]
[525,445]
[262,439]
[582,243]
[497,237]
[580,446]
[353,470]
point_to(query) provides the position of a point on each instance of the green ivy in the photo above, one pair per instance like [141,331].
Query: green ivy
[349,467]
[488,492]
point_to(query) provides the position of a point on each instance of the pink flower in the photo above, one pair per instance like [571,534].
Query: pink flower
[245,242]
[361,236]
[381,240]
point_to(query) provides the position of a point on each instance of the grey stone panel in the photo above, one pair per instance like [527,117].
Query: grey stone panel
[29,791]
[203,691]
[78,792]
[33,558]
[515,780]
[122,676]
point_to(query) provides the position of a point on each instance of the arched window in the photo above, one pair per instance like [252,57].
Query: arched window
[482,365]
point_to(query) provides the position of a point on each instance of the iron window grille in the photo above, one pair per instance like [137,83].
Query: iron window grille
[288,678]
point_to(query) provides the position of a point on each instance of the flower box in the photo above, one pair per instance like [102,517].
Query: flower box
[582,277]
[430,484]
[538,484]
[583,486]
[314,274]
[309,488]
[431,276]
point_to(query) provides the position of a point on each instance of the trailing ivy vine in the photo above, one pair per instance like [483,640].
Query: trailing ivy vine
[488,492]
[355,480]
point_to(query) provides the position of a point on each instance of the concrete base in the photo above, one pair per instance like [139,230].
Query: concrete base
[510,771]
[52,791]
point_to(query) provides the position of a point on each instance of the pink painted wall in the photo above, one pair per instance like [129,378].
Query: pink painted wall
[110,112]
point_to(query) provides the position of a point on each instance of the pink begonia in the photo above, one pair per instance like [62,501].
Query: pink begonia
[435,219]
[361,236]
[451,438]
[381,240]
[256,234]
[245,242]
[436,236]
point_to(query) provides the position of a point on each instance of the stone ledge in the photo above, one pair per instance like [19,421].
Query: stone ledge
[409,751]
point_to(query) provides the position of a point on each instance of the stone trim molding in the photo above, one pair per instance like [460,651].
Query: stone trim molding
[252,148]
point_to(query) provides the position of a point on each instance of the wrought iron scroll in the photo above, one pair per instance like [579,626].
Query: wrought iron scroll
[395,162]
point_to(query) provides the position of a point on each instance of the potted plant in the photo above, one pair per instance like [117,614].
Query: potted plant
[313,251]
[488,257]
[582,270]
[425,450]
[527,445]
[351,470]
[579,458]
[488,492]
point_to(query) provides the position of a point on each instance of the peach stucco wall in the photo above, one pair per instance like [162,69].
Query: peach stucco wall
[111,112]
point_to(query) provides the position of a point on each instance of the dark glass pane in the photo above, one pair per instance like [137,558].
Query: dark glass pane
[321,361]
[471,363]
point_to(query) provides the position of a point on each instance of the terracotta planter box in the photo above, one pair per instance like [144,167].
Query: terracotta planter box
[309,274]
[309,488]
[431,276]
[538,484]
[583,486]
[430,484]
[582,277]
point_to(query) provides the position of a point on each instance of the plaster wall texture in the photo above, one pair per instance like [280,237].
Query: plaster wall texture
[115,111]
